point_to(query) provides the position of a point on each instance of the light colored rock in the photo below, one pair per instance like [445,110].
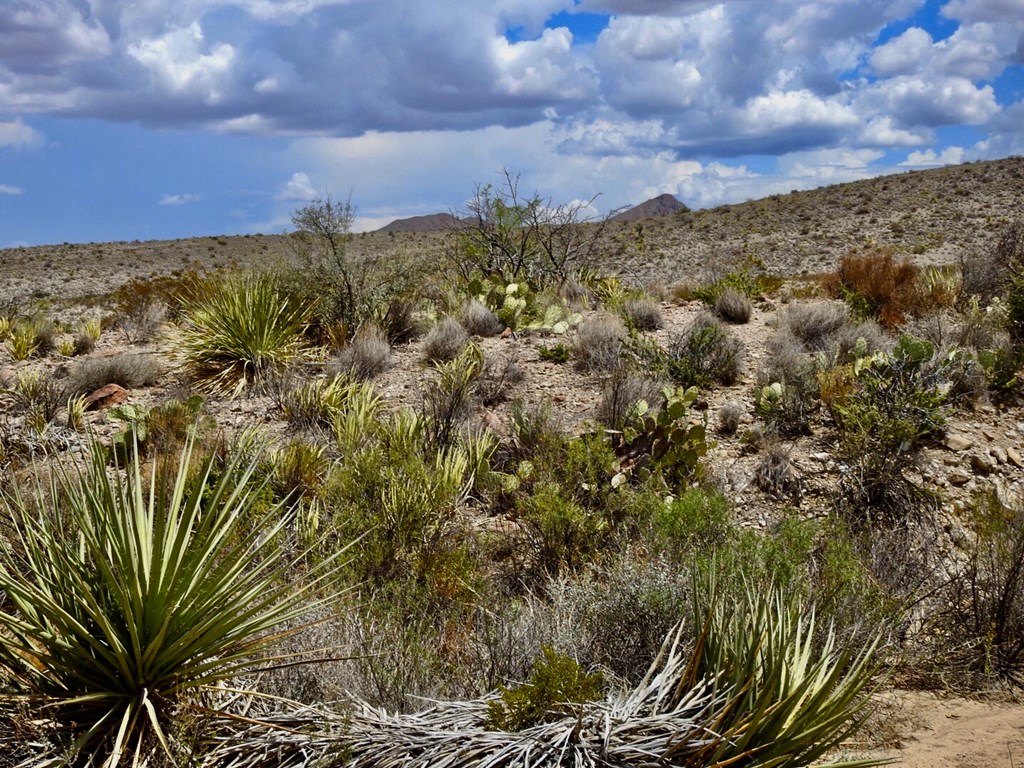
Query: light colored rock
[1013,457]
[958,478]
[957,442]
[982,465]
[998,453]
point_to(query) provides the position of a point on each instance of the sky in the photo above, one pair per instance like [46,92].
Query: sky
[156,119]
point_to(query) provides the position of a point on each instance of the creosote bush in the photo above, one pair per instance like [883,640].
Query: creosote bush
[704,354]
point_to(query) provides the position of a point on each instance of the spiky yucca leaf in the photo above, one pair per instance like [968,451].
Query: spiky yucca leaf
[241,332]
[129,598]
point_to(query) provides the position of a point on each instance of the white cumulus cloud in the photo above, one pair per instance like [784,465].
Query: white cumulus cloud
[180,199]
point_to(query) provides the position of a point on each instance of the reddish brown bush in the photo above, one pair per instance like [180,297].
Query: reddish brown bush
[877,285]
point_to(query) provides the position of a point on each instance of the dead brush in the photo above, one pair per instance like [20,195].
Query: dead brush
[878,285]
[599,343]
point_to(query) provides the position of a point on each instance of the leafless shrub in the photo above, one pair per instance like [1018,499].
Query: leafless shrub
[141,323]
[598,344]
[643,314]
[497,379]
[83,344]
[399,322]
[621,393]
[732,306]
[129,370]
[444,341]
[478,320]
[367,356]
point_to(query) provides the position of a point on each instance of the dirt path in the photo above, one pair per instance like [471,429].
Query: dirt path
[946,732]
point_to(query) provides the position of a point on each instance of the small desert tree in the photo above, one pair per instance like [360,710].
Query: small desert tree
[517,237]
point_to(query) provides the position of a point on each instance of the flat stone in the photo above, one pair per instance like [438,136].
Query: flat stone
[1013,457]
[998,453]
[958,442]
[106,397]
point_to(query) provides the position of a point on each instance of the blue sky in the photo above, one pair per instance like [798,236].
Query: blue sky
[158,119]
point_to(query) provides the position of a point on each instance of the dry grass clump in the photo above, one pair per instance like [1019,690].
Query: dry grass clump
[816,325]
[733,306]
[599,342]
[444,341]
[367,356]
[129,370]
[478,320]
[643,314]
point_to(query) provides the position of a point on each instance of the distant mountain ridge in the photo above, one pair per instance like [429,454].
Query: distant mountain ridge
[656,207]
[433,222]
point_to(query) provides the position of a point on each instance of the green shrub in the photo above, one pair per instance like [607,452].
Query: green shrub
[123,603]
[245,331]
[892,403]
[703,355]
[695,524]
[556,683]
[554,353]
[742,281]
[448,397]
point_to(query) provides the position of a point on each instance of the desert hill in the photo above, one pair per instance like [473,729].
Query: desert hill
[662,205]
[434,222]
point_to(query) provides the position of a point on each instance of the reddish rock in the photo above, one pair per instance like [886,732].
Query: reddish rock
[106,397]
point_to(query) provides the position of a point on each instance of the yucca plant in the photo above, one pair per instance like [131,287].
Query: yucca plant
[125,599]
[241,332]
[21,341]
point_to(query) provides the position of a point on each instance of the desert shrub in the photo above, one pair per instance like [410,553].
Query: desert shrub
[877,285]
[32,336]
[319,404]
[554,353]
[733,306]
[704,354]
[938,288]
[556,683]
[444,341]
[787,392]
[298,470]
[139,323]
[339,290]
[399,320]
[478,320]
[448,397]
[988,274]
[888,406]
[984,596]
[696,523]
[523,238]
[643,314]
[245,331]
[729,417]
[599,343]
[367,356]
[129,370]
[162,429]
[815,325]
[776,474]
[34,394]
[81,578]
[141,298]
[683,290]
[497,379]
[742,281]
[626,395]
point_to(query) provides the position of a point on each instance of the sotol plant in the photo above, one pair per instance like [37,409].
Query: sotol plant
[127,599]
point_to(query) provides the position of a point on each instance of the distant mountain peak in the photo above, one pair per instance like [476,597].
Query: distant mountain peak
[430,223]
[662,205]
